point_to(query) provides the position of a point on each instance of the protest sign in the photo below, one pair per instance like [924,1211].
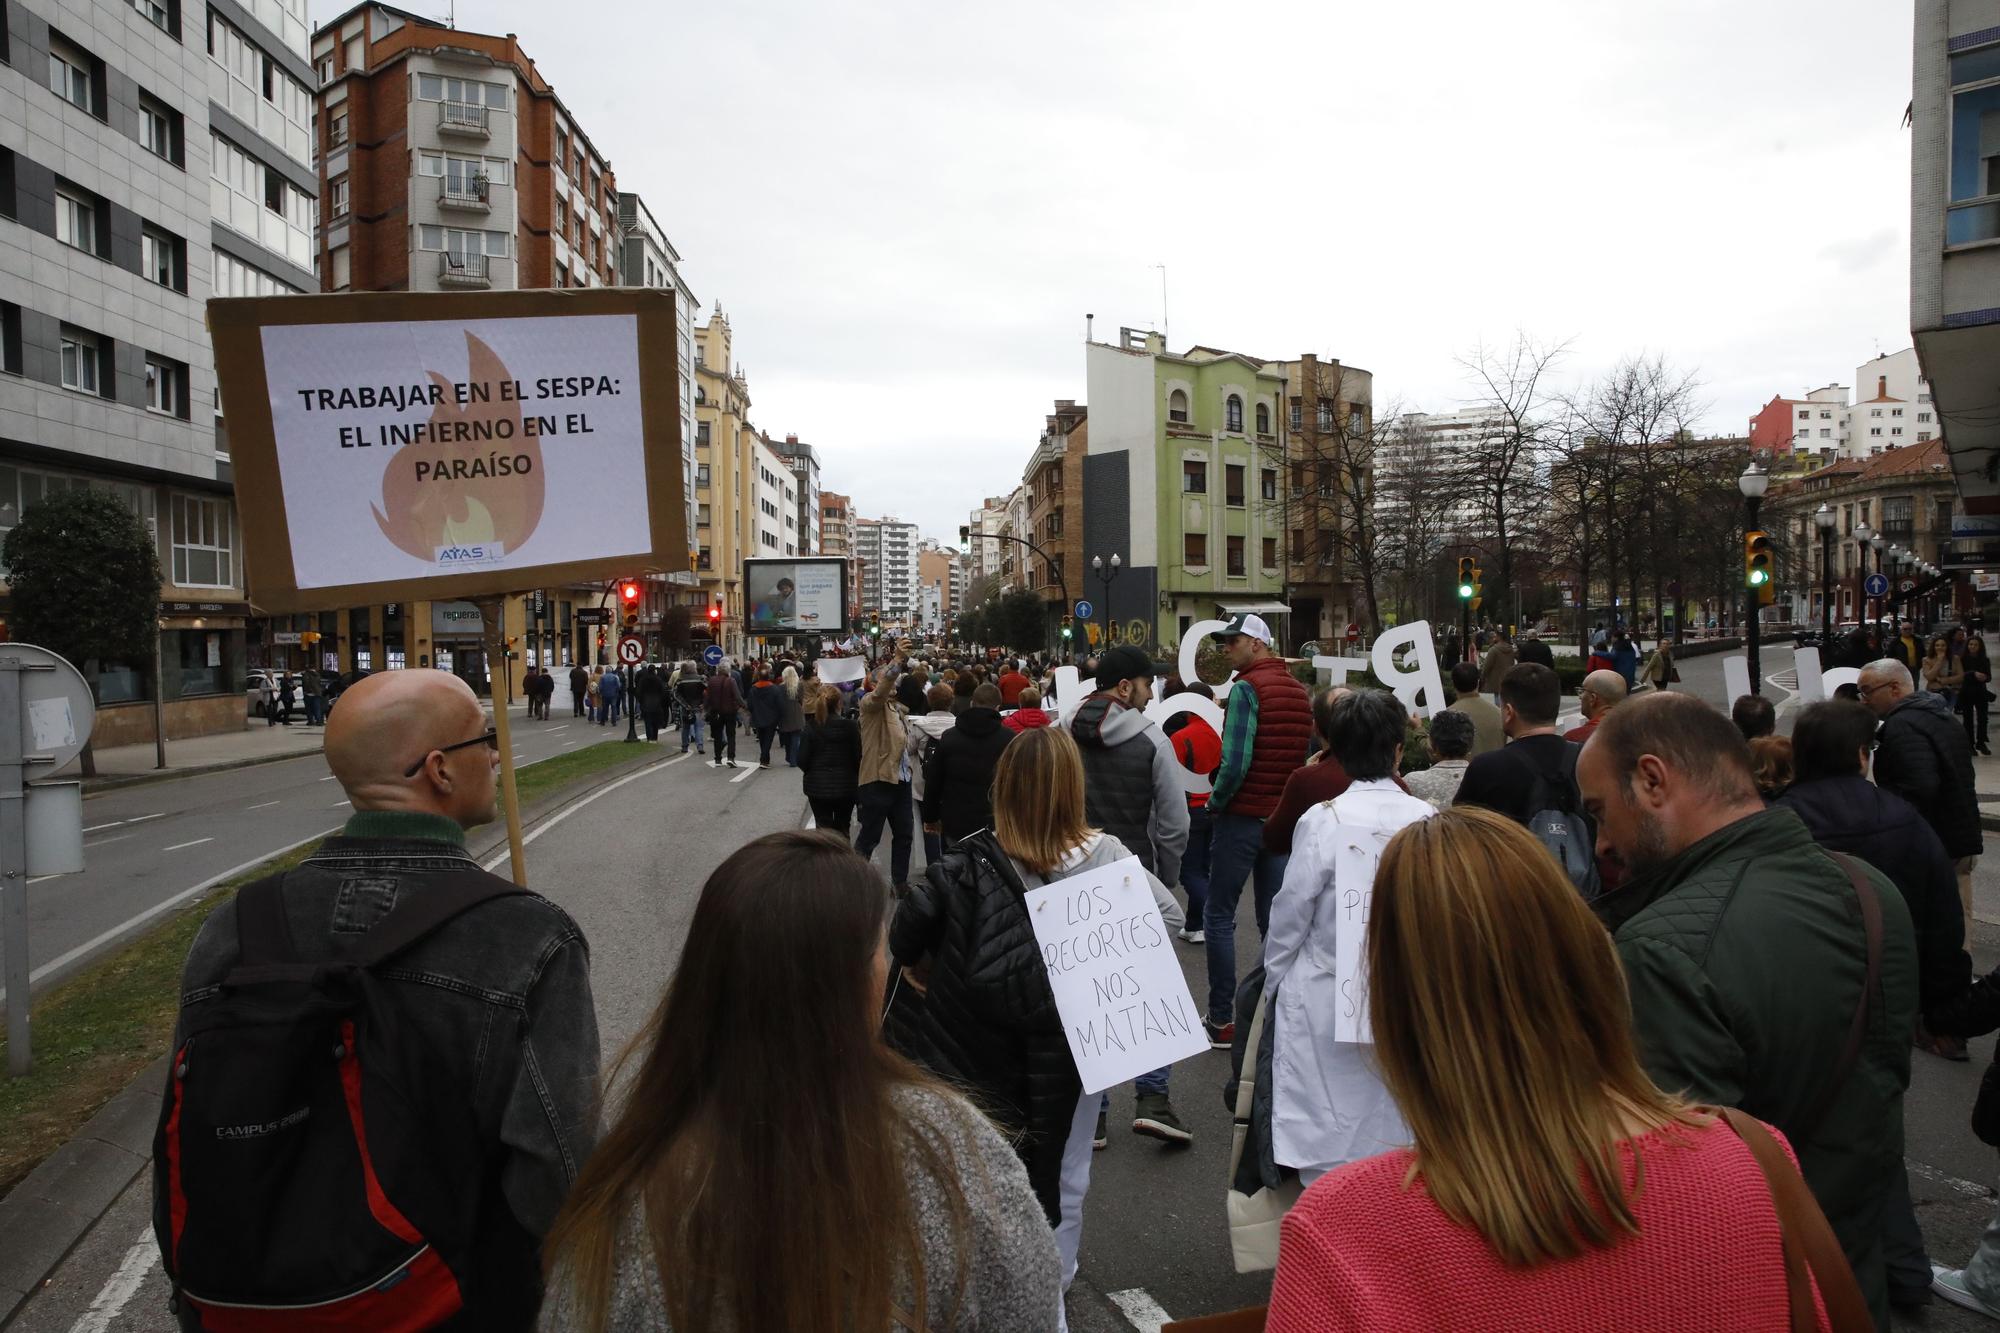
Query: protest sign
[1124,1002]
[407,446]
[839,670]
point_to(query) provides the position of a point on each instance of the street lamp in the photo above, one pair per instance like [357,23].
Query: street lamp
[1878,541]
[1106,570]
[1824,519]
[1753,483]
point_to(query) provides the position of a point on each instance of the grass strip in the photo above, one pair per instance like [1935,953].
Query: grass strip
[99,1028]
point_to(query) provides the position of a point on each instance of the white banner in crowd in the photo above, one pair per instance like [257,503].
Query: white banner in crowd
[1118,985]
[839,670]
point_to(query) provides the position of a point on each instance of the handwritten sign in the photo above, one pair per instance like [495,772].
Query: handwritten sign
[1124,1001]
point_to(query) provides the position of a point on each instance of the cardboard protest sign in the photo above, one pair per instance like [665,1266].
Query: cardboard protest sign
[442,446]
[1356,856]
[1124,1002]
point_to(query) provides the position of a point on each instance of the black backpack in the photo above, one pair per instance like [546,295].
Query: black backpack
[311,1170]
[1559,824]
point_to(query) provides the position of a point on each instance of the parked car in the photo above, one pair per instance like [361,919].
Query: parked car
[334,686]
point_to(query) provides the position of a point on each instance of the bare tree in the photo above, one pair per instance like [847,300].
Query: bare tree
[1502,469]
[1412,512]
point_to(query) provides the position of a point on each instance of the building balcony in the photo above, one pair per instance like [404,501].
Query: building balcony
[467,118]
[456,270]
[468,196]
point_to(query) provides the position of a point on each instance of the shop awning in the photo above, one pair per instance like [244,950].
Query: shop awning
[1254,608]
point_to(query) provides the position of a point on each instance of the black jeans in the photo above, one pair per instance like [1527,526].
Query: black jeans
[1968,710]
[764,737]
[835,816]
[723,729]
[890,802]
[575,704]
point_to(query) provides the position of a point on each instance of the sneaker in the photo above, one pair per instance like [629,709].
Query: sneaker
[1221,1036]
[729,763]
[1102,1139]
[1156,1119]
[1192,936]
[1950,1284]
[765,764]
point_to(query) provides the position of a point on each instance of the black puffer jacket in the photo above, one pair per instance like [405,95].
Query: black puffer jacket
[1923,756]
[830,754]
[958,779]
[989,1022]
[1853,815]
[766,704]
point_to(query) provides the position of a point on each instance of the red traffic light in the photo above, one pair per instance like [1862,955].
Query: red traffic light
[628,591]
[715,613]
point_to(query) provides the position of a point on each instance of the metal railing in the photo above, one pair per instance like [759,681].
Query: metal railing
[474,193]
[463,118]
[462,270]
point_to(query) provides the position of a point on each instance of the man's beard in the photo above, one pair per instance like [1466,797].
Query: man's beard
[1649,846]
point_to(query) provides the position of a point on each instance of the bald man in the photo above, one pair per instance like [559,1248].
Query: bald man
[496,999]
[1600,692]
[1923,755]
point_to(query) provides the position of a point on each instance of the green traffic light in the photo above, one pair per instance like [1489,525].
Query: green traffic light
[1465,591]
[1759,577]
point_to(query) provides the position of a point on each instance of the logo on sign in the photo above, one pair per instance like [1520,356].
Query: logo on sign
[458,556]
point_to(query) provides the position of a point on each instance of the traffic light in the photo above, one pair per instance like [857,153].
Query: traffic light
[1068,629]
[1478,576]
[965,534]
[714,617]
[1468,587]
[628,602]
[1757,567]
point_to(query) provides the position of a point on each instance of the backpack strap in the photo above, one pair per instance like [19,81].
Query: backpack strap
[1857,1027]
[263,935]
[418,914]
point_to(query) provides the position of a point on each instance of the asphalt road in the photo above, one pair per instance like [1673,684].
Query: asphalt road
[630,865]
[150,845]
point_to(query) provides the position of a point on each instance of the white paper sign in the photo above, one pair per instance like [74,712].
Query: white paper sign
[426,448]
[1125,1004]
[1355,859]
[1735,679]
[51,724]
[838,670]
[1810,684]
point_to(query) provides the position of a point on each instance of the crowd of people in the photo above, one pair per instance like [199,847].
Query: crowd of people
[1626,1046]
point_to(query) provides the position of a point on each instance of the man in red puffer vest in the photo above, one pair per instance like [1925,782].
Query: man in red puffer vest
[1266,725]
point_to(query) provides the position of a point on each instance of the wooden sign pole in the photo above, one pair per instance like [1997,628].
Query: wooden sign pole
[493,618]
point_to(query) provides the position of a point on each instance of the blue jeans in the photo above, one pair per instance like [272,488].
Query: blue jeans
[1194,865]
[1142,1085]
[1236,853]
[791,740]
[691,728]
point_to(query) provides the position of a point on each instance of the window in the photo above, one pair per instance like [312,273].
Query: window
[1263,418]
[1232,484]
[160,131]
[10,342]
[336,129]
[1177,407]
[1326,414]
[1975,152]
[1895,411]
[1922,436]
[163,258]
[336,197]
[204,550]
[1923,416]
[1874,411]
[1270,553]
[1825,433]
[454,241]
[76,219]
[562,275]
[701,515]
[1824,416]
[1268,483]
[1194,550]
[701,441]
[1895,430]
[323,69]
[1194,477]
[439,88]
[1295,415]
[82,355]
[1874,430]
[562,218]
[1236,568]
[1298,545]
[166,386]
[1232,414]
[71,73]
[161,15]
[232,277]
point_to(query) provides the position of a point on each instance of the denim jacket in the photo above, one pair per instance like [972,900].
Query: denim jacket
[502,994]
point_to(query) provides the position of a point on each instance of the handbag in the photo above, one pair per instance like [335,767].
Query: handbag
[1808,1240]
[1254,1218]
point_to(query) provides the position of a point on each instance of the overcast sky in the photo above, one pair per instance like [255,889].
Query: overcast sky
[907,209]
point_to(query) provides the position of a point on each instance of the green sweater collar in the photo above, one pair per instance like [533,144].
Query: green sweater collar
[403,824]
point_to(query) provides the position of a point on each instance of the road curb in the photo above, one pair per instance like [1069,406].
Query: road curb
[43,1218]
[54,1207]
[97,786]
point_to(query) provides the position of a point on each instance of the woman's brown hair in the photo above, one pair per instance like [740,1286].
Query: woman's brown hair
[765,1209]
[1504,1033]
[1771,761]
[813,699]
[1038,814]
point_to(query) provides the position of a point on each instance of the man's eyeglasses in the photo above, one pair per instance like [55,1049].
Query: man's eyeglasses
[1865,690]
[489,737]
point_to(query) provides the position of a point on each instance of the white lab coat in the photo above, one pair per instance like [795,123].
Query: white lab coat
[1329,1105]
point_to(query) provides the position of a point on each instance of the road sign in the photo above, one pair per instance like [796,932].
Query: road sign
[712,654]
[1907,585]
[631,650]
[593,615]
[1876,585]
[1083,610]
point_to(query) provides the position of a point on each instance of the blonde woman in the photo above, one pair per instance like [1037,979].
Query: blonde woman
[990,1023]
[791,713]
[1942,673]
[1551,1184]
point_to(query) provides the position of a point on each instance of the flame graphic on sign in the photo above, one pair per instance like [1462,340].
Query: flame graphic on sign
[442,508]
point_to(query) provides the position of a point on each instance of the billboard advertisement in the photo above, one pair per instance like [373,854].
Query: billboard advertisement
[796,596]
[445,446]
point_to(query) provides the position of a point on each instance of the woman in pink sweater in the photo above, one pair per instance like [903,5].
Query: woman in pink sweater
[1551,1184]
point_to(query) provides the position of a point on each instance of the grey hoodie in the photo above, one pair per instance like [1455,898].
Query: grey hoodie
[1132,786]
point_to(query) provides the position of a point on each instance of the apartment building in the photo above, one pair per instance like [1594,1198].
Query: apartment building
[725,475]
[1053,482]
[804,466]
[776,518]
[986,522]
[836,537]
[1325,452]
[1892,409]
[151,156]
[887,549]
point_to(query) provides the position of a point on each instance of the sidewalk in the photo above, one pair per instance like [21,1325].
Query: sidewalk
[257,743]
[1986,781]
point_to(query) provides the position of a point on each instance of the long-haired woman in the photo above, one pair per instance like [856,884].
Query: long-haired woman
[775,1166]
[989,1022]
[1551,1184]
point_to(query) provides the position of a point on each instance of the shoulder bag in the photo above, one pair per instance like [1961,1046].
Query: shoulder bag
[1812,1255]
[1254,1218]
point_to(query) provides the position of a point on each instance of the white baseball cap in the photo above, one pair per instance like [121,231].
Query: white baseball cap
[1254,626]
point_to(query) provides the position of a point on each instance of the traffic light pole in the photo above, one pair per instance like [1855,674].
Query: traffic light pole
[1753,601]
[968,536]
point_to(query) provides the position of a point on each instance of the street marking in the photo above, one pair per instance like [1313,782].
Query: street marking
[564,813]
[123,1286]
[196,843]
[140,819]
[119,838]
[327,778]
[745,775]
[1141,1311]
[265,805]
[95,827]
[338,804]
[563,727]
[567,744]
[1965,1187]
[97,942]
